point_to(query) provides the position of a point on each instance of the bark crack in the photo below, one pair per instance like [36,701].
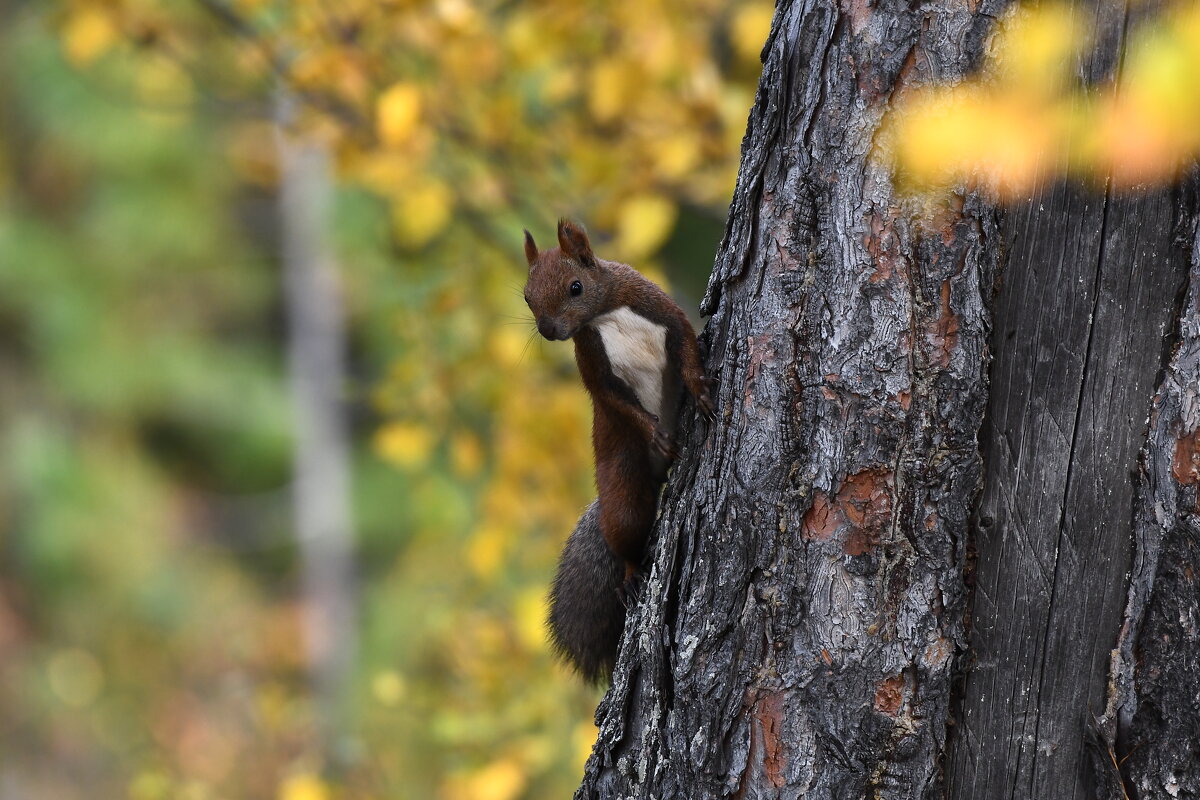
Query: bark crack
[1071,461]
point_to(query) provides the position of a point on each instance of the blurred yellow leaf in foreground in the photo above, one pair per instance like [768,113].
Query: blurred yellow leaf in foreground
[388,687]
[1023,120]
[1007,141]
[1035,49]
[486,549]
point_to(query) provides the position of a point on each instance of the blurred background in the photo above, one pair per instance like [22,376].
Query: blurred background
[284,472]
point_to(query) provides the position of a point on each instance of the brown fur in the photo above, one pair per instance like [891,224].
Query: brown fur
[633,448]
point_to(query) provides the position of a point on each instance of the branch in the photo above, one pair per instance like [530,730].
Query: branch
[280,67]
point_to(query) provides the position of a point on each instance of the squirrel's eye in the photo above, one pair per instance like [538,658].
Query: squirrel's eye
[576,288]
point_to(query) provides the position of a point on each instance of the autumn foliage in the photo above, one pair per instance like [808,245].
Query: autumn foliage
[149,622]
[1028,118]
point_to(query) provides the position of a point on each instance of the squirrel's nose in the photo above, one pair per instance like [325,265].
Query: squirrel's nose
[548,329]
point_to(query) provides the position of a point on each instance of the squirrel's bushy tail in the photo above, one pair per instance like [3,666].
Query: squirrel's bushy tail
[587,614]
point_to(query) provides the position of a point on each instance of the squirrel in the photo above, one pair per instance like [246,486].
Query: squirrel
[636,352]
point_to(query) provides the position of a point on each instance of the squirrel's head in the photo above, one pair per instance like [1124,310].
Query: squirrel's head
[565,288]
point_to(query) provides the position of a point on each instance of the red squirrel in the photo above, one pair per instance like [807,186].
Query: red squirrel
[636,352]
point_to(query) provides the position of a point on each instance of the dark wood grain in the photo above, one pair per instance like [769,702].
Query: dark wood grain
[1089,293]
[1148,742]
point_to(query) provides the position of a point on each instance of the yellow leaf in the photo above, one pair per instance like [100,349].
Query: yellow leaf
[750,26]
[456,14]
[1158,86]
[422,212]
[676,154]
[509,344]
[87,34]
[531,618]
[521,40]
[485,550]
[403,444]
[501,780]
[1036,46]
[1132,145]
[466,455]
[610,90]
[388,687]
[303,787]
[397,114]
[560,84]
[382,171]
[643,224]
[150,785]
[943,137]
[584,738]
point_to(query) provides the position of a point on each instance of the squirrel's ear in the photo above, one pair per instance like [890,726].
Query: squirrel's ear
[531,252]
[573,240]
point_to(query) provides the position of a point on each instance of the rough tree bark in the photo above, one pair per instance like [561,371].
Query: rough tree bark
[806,612]
[807,596]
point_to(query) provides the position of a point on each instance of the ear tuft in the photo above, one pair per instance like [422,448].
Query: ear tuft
[573,240]
[531,251]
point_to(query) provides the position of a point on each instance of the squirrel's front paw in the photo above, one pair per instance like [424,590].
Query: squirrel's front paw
[631,590]
[702,389]
[662,443]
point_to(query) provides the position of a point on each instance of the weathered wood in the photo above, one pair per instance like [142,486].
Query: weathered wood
[797,632]
[1152,724]
[1089,293]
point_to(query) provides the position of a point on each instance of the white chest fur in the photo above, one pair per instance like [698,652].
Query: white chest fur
[637,350]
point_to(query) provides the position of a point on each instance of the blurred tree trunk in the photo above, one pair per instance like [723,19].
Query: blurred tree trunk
[807,610]
[316,365]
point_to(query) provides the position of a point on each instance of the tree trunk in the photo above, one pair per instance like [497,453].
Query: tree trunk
[317,374]
[1152,724]
[806,612]
[1089,292]
[799,626]
[1083,327]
